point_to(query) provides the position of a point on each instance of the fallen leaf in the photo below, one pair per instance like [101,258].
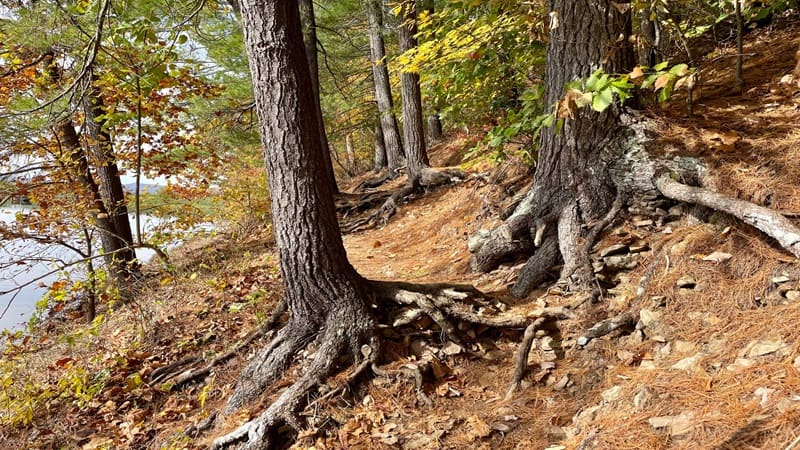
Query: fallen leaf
[477,428]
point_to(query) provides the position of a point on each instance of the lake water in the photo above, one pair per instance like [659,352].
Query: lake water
[20,305]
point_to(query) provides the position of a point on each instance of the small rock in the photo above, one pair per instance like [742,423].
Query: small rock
[677,425]
[548,344]
[503,427]
[665,349]
[641,398]
[683,347]
[562,383]
[626,357]
[547,365]
[658,301]
[686,282]
[616,249]
[718,257]
[598,266]
[586,417]
[781,279]
[649,319]
[792,295]
[659,338]
[638,247]
[611,394]
[451,348]
[477,240]
[761,348]
[763,394]
[642,223]
[621,262]
[687,363]
[740,363]
[647,364]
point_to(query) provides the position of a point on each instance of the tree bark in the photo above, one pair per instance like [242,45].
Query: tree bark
[79,161]
[323,292]
[383,90]
[119,256]
[413,131]
[434,129]
[110,182]
[380,150]
[574,183]
[310,41]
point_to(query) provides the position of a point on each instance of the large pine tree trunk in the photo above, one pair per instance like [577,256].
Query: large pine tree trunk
[577,168]
[383,90]
[572,184]
[323,292]
[413,130]
[310,41]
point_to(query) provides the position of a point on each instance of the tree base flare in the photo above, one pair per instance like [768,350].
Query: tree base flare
[399,304]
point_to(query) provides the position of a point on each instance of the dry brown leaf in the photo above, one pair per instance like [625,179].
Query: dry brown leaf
[662,81]
[478,429]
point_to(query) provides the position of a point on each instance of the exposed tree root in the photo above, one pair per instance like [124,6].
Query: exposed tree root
[348,204]
[383,177]
[443,303]
[770,222]
[337,339]
[606,326]
[521,365]
[428,178]
[187,369]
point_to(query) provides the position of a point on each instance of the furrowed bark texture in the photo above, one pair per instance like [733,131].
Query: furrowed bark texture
[572,178]
[383,90]
[309,23]
[413,130]
[577,175]
[322,290]
[380,150]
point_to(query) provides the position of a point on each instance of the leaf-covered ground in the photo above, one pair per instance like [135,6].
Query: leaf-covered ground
[714,361]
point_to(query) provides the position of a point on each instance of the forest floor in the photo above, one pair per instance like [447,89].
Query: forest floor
[713,363]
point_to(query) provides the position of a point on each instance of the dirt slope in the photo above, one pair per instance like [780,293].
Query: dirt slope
[714,361]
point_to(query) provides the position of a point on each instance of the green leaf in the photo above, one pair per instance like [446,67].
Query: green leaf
[679,70]
[602,100]
[661,66]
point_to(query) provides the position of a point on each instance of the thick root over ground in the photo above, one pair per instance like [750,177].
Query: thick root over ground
[445,304]
[428,178]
